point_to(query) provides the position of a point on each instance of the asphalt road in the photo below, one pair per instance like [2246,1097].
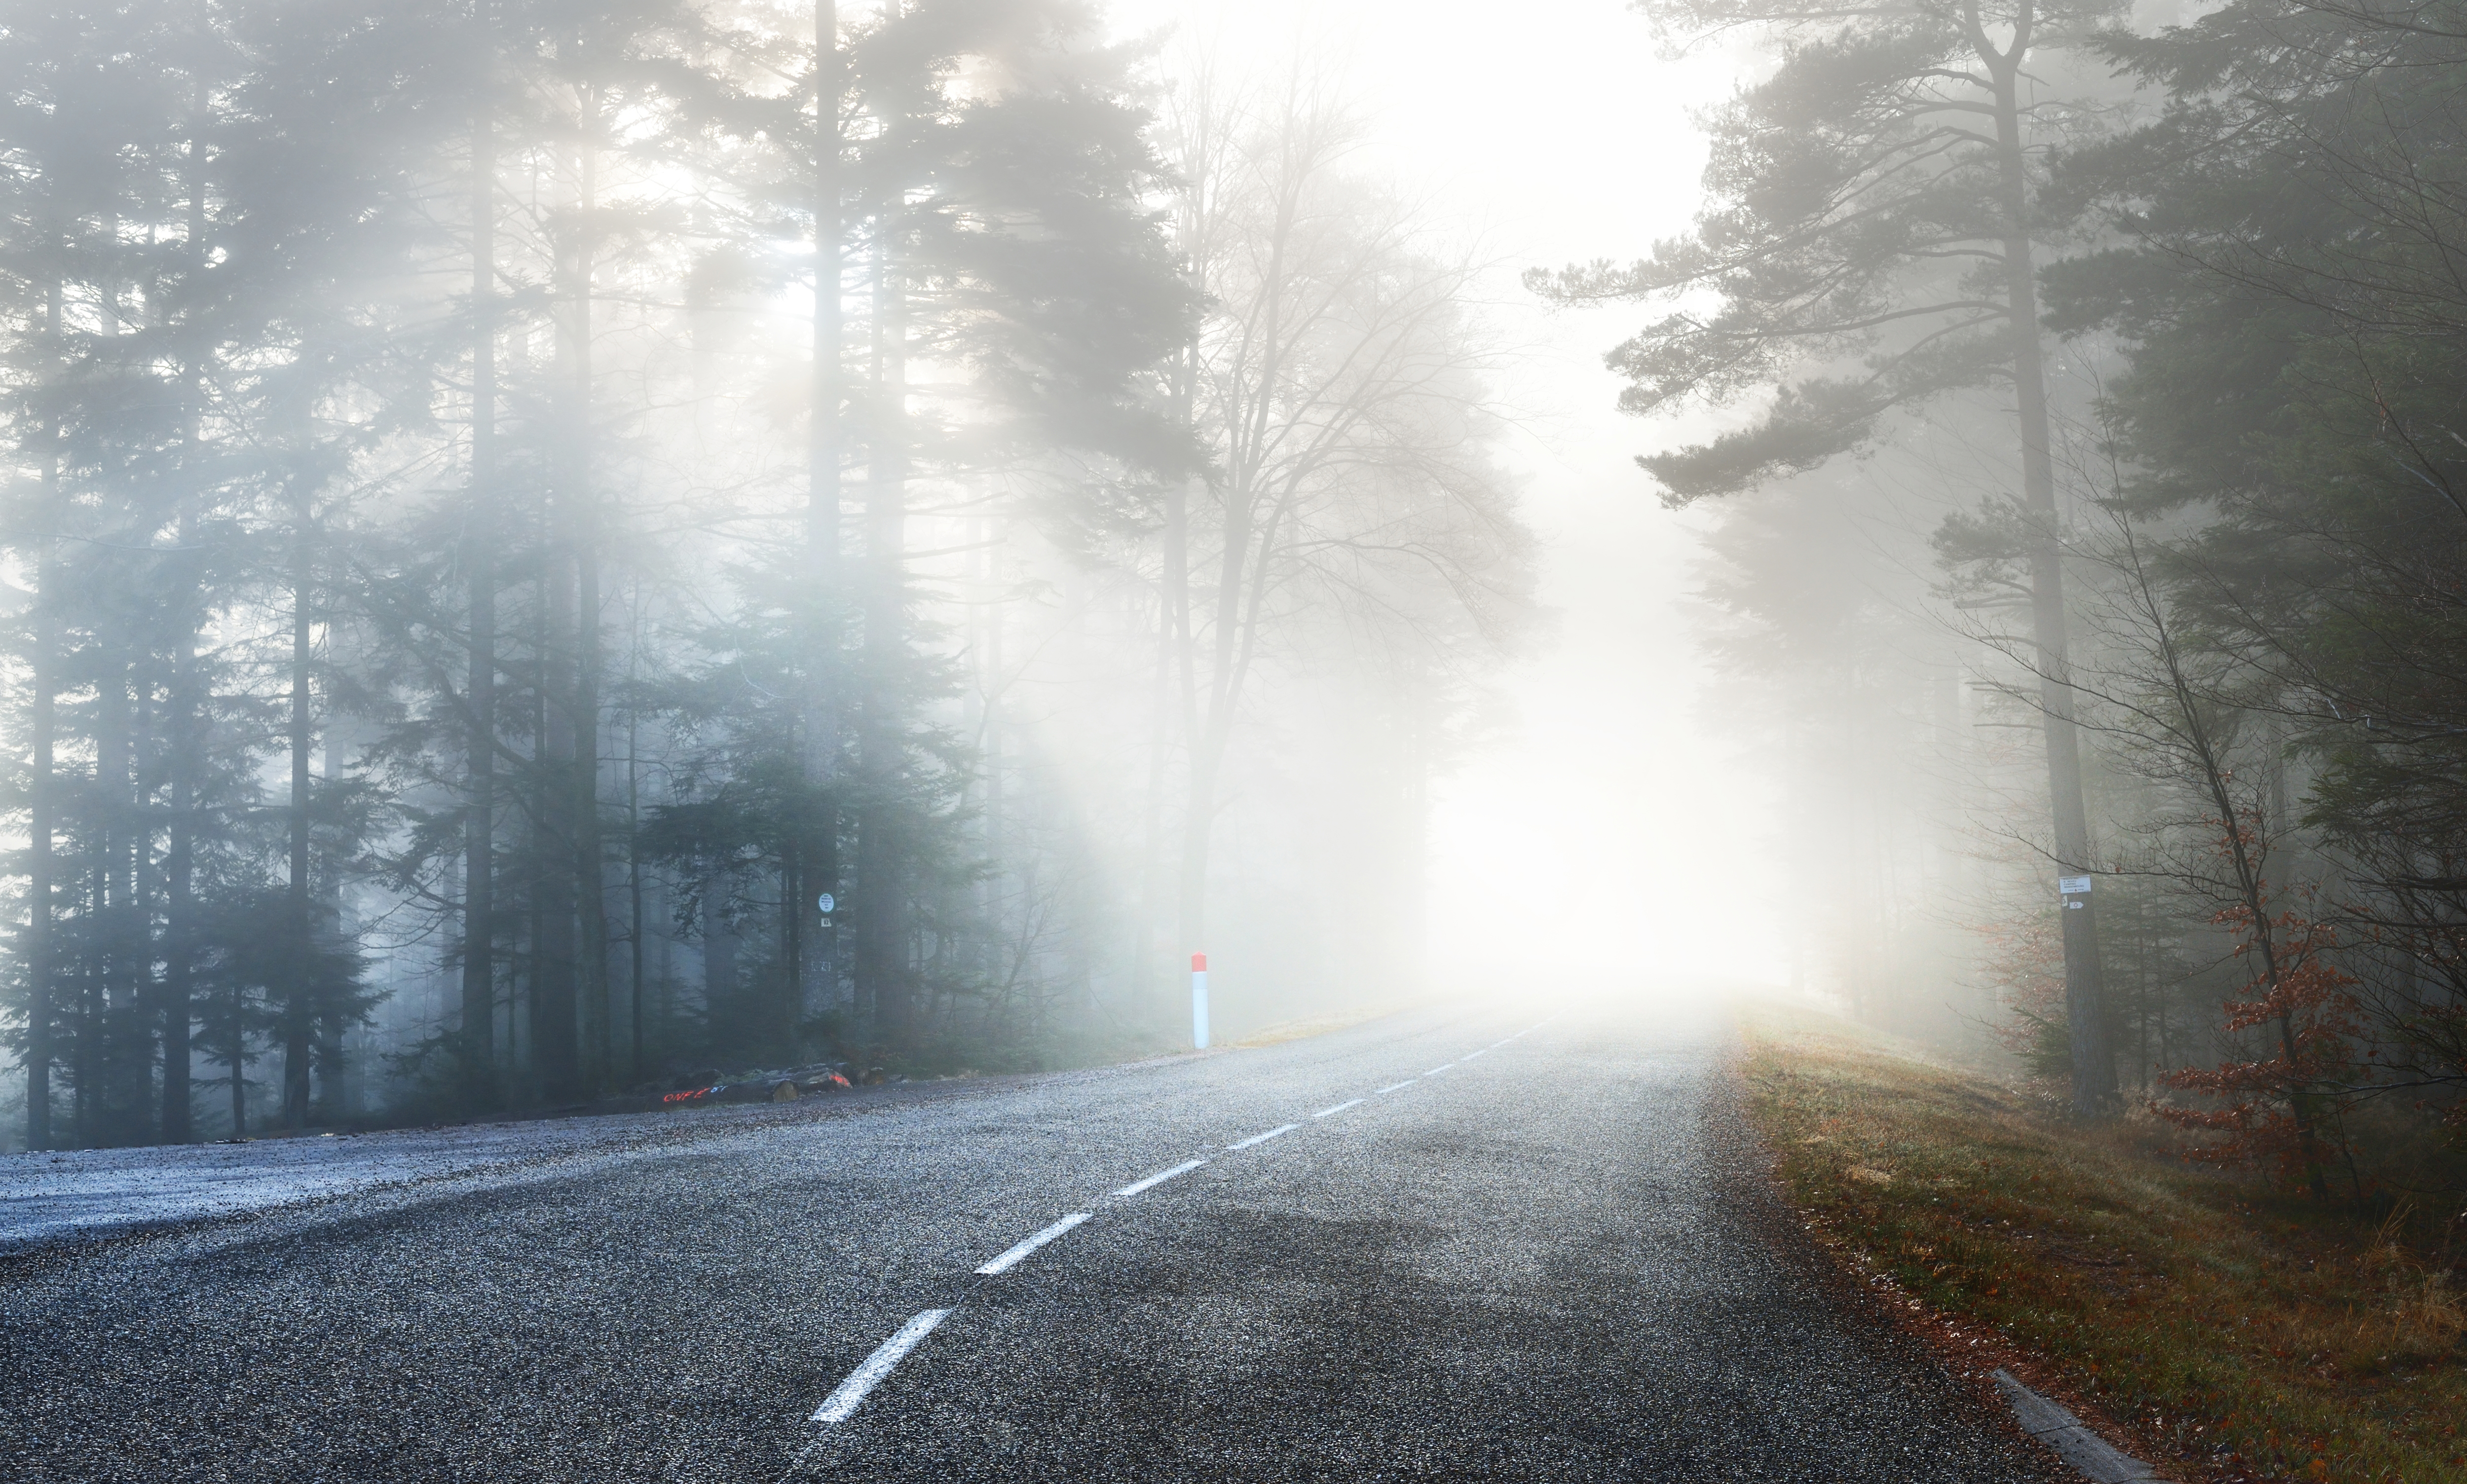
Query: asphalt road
[1549,1259]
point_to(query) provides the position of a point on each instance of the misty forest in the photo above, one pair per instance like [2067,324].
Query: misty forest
[2091,534]
[512,509]
[512,506]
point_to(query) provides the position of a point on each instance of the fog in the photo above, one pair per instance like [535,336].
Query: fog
[1605,833]
[488,630]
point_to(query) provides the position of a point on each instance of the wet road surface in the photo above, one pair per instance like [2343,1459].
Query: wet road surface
[1448,1245]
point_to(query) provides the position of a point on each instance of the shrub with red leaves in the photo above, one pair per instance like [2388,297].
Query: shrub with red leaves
[2283,1110]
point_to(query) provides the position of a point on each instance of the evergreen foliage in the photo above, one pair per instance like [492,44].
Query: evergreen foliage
[1870,243]
[2289,418]
[507,505]
[2245,240]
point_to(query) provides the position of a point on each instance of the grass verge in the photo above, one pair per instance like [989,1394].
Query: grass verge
[1320,1025]
[2232,1332]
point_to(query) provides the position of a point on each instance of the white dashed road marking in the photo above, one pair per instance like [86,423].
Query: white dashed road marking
[1261,1139]
[887,1356]
[1011,1258]
[1160,1177]
[865,1378]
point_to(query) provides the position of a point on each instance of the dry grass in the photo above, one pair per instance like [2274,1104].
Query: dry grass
[2237,1333]
[1320,1025]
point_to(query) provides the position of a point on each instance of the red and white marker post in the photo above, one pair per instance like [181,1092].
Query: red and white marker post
[1199,1000]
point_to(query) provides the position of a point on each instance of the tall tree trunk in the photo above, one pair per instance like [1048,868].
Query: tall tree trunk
[110,728]
[1212,726]
[333,932]
[480,569]
[1177,659]
[128,1044]
[298,1002]
[635,925]
[590,849]
[819,852]
[109,981]
[183,730]
[238,1065]
[183,733]
[1210,730]
[2093,1066]
[718,943]
[881,925]
[42,801]
[555,1043]
[1418,721]
[1145,951]
[583,515]
[990,755]
[560,992]
[42,786]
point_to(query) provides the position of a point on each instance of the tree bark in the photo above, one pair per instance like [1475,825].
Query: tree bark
[1211,732]
[589,863]
[182,731]
[43,803]
[298,1011]
[565,992]
[881,919]
[555,1037]
[635,923]
[108,1062]
[42,799]
[1175,662]
[479,998]
[817,854]
[1147,999]
[2093,1066]
[590,849]
[183,734]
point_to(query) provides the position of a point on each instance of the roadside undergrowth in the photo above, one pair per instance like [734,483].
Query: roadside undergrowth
[1283,1031]
[2236,1333]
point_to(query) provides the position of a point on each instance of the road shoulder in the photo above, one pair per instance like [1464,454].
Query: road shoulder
[2178,1312]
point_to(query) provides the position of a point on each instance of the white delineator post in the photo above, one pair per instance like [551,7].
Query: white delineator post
[1199,1000]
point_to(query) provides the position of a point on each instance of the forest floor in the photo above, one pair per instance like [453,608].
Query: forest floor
[2222,1330]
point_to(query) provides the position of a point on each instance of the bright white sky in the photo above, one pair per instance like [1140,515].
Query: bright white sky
[1613,835]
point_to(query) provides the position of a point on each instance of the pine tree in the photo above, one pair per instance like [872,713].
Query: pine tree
[363,365]
[2289,432]
[1872,245]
